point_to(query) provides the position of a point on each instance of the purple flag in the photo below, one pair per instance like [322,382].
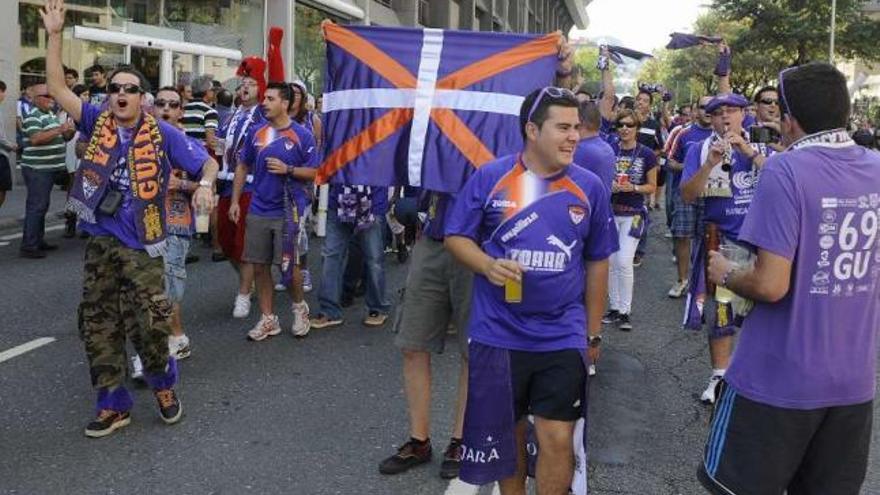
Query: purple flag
[682,40]
[425,107]
[618,52]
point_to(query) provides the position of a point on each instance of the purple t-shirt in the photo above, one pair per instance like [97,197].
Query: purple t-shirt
[693,133]
[817,207]
[378,199]
[636,162]
[294,146]
[596,155]
[552,226]
[234,132]
[180,153]
[727,213]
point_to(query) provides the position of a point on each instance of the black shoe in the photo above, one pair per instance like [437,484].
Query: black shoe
[106,423]
[45,246]
[217,257]
[451,460]
[611,317]
[169,406]
[191,258]
[33,254]
[69,228]
[637,260]
[410,454]
[625,324]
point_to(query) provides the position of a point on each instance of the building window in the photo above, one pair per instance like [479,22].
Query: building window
[386,3]
[424,13]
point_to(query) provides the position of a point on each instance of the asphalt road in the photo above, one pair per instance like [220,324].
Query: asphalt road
[313,416]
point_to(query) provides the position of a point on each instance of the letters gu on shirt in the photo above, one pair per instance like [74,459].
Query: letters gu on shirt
[552,226]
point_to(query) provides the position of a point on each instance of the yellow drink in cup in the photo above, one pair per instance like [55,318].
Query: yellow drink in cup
[512,291]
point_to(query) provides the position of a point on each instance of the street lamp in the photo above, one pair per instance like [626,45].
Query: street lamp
[833,22]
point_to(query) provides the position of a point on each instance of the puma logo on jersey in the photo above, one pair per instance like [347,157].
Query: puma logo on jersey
[556,242]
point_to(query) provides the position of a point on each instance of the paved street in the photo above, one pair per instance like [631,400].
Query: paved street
[312,416]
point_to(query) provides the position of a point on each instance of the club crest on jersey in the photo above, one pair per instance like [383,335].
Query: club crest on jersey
[577,214]
[288,145]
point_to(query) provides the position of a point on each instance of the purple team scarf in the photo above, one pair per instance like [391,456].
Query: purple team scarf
[696,296]
[356,207]
[681,40]
[144,160]
[289,255]
[488,450]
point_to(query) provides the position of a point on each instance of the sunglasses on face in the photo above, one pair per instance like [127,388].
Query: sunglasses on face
[769,101]
[45,95]
[128,88]
[626,125]
[169,103]
[702,107]
[553,92]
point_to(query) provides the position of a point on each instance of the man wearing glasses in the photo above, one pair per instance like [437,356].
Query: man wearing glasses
[526,225]
[43,156]
[767,117]
[119,195]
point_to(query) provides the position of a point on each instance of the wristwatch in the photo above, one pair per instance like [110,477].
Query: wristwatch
[594,340]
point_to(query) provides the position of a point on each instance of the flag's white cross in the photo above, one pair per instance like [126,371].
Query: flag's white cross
[423,99]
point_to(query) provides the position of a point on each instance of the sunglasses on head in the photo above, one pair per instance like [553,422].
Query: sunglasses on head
[169,103]
[768,101]
[552,92]
[128,88]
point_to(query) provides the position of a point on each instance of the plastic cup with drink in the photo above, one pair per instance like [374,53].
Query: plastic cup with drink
[740,258]
[513,289]
[203,219]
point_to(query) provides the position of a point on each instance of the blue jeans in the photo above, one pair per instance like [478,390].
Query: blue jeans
[39,189]
[334,253]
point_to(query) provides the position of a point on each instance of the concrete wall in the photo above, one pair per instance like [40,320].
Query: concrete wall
[9,65]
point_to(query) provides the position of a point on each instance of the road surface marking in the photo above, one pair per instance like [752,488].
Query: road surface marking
[12,237]
[26,347]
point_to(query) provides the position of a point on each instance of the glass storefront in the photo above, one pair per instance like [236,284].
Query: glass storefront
[232,24]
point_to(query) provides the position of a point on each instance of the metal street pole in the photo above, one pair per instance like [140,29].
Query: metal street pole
[833,23]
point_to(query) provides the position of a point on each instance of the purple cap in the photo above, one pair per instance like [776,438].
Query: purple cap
[727,100]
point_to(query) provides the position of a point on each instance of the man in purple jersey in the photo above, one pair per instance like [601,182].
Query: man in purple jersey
[795,409]
[119,194]
[534,223]
[683,215]
[281,156]
[592,152]
[721,171]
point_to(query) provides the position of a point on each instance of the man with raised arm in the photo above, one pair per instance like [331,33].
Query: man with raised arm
[119,195]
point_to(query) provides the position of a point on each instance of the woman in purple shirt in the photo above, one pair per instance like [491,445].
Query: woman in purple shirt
[636,177]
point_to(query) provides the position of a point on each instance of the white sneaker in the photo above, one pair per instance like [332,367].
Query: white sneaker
[242,306]
[301,323]
[591,370]
[279,287]
[307,281]
[708,396]
[678,289]
[266,327]
[178,347]
[137,368]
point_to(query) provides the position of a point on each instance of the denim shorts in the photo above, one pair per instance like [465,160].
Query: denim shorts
[175,267]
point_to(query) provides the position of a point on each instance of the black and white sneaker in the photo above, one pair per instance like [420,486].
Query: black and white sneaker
[611,317]
[107,422]
[624,324]
[169,406]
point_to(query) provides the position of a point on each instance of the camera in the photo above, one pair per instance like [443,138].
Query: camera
[765,135]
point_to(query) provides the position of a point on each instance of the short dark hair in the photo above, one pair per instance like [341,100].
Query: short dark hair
[79,89]
[627,102]
[763,90]
[224,97]
[589,115]
[96,68]
[647,93]
[2,86]
[805,86]
[170,88]
[72,72]
[540,113]
[284,92]
[129,69]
